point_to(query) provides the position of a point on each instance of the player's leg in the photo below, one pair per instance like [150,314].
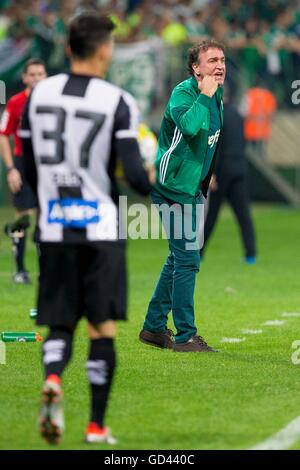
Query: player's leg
[58,305]
[239,200]
[103,286]
[16,231]
[24,201]
[57,350]
[101,365]
[19,246]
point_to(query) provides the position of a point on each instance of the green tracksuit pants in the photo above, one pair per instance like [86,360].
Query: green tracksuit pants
[175,288]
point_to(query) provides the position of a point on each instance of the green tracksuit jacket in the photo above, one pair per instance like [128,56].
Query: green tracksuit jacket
[183,141]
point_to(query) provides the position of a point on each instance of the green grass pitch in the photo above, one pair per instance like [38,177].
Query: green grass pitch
[162,400]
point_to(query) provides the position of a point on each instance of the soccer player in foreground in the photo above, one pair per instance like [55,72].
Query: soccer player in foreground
[76,124]
[188,144]
[24,199]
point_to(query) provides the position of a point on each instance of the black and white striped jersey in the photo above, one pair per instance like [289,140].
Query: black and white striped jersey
[73,129]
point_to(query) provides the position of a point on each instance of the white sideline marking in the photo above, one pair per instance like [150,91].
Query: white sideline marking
[274,322]
[232,340]
[283,439]
[251,332]
[290,314]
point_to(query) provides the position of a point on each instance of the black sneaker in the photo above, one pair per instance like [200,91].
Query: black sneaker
[22,277]
[162,339]
[194,344]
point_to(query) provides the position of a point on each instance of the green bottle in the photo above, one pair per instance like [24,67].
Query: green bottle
[27,337]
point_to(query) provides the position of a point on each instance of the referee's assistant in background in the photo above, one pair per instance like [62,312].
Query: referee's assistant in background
[229,181]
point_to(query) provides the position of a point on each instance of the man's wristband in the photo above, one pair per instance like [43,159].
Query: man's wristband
[9,168]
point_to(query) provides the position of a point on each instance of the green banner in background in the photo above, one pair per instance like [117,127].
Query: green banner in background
[134,68]
[13,55]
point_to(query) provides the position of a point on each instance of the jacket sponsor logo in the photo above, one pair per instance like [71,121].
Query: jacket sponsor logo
[213,139]
[74,213]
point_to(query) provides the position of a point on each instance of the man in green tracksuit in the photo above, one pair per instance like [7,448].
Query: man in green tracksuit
[188,143]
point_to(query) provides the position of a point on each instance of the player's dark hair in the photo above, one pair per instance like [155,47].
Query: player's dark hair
[86,32]
[193,53]
[33,61]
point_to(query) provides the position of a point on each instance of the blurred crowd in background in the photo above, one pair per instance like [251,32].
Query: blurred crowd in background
[263,37]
